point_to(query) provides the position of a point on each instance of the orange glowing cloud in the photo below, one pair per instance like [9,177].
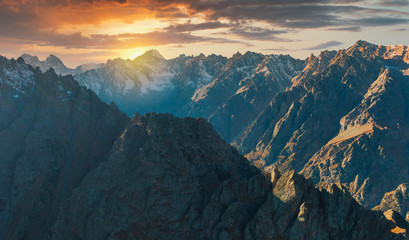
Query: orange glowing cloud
[109,25]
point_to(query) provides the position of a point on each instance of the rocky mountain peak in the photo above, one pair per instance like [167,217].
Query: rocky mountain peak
[338,121]
[237,55]
[364,44]
[54,60]
[251,54]
[31,60]
[51,62]
[150,56]
[310,58]
[201,56]
[393,54]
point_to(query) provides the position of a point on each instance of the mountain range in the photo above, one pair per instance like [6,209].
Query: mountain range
[343,121]
[74,167]
[55,63]
[338,119]
[228,92]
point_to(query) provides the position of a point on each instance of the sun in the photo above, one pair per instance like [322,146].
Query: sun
[132,53]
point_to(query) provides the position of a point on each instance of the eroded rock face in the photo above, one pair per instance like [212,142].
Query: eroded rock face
[344,121]
[396,200]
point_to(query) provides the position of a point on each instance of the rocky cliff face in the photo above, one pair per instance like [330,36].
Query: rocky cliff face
[240,99]
[344,121]
[396,200]
[76,168]
[52,132]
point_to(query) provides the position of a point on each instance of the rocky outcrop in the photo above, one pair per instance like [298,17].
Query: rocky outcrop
[396,200]
[402,225]
[344,121]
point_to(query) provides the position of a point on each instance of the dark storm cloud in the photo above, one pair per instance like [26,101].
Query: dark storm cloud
[324,45]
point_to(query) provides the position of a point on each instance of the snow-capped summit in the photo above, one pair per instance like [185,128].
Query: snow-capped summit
[55,63]
[31,60]
[17,75]
[51,62]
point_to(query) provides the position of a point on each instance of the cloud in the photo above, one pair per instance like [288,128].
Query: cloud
[346,29]
[21,25]
[42,21]
[399,30]
[279,49]
[324,45]
[121,41]
[242,30]
[257,33]
[380,21]
[394,3]
[189,27]
[298,14]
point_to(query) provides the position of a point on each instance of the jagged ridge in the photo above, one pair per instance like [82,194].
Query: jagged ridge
[163,178]
[340,122]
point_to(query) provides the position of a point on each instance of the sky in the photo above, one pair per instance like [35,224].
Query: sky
[85,31]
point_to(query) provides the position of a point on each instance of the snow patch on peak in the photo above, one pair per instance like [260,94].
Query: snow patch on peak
[17,76]
[206,77]
[52,59]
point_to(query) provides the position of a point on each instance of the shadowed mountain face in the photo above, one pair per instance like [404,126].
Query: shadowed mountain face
[345,120]
[52,133]
[76,168]
[229,92]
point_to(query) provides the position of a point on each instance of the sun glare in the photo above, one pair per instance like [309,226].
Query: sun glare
[132,53]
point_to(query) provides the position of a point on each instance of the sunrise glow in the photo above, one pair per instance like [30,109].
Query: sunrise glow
[94,31]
